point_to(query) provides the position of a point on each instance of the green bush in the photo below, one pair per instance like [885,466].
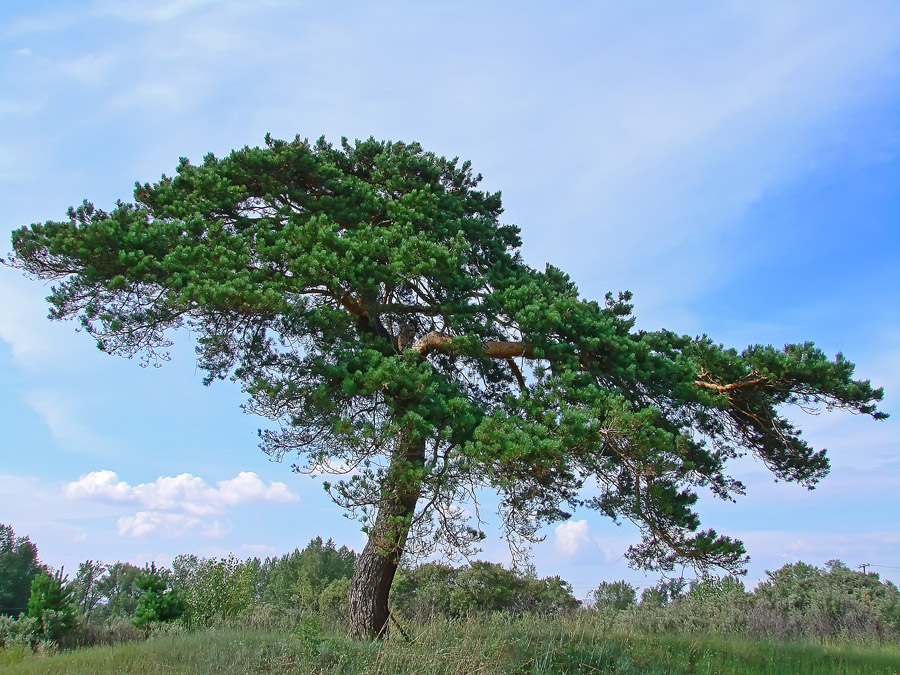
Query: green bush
[801,601]
[158,602]
[614,595]
[334,603]
[215,589]
[296,580]
[713,606]
[52,605]
[434,590]
[24,631]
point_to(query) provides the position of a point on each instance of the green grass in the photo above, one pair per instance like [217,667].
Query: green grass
[493,645]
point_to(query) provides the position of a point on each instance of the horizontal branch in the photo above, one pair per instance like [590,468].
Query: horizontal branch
[494,349]
[743,384]
[435,341]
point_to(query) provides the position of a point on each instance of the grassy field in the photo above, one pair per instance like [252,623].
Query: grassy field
[497,645]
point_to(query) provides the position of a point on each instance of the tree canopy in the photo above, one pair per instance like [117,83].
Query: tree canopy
[19,564]
[371,304]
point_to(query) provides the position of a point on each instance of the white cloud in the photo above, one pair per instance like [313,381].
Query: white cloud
[169,525]
[685,139]
[186,493]
[572,536]
[183,493]
[103,484]
[247,486]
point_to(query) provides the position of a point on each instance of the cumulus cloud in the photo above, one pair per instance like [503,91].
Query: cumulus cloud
[572,536]
[184,493]
[247,486]
[177,506]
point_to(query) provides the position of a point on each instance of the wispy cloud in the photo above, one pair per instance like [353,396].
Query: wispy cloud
[24,327]
[61,413]
[156,12]
[93,70]
[169,525]
[774,548]
[259,549]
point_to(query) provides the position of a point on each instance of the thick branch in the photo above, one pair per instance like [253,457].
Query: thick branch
[495,349]
[743,384]
[516,373]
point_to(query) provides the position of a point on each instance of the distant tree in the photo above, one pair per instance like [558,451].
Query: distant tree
[432,590]
[614,595]
[372,305]
[52,605]
[546,596]
[87,589]
[215,588]
[297,579]
[158,602]
[18,566]
[663,593]
[119,593]
[802,601]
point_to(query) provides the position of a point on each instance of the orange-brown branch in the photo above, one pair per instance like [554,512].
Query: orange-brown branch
[435,341]
[743,384]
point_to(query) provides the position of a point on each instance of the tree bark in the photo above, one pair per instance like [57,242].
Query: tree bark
[378,562]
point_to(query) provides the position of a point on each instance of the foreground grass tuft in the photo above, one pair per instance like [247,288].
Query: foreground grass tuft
[494,645]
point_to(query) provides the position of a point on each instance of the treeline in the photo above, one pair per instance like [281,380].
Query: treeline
[108,603]
[796,602]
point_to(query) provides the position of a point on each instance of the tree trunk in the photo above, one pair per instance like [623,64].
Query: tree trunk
[377,564]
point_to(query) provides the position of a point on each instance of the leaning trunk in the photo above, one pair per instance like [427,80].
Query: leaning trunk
[377,564]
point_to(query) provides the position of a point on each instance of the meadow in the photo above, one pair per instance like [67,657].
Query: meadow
[582,642]
[289,615]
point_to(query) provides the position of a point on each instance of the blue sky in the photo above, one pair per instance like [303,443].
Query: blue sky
[736,165]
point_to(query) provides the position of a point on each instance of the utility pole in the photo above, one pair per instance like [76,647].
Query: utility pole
[864,566]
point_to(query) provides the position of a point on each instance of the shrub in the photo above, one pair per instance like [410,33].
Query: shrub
[215,589]
[24,631]
[51,604]
[158,602]
[433,590]
[801,601]
[614,595]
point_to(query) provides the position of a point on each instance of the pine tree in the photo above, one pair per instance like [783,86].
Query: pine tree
[372,305]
